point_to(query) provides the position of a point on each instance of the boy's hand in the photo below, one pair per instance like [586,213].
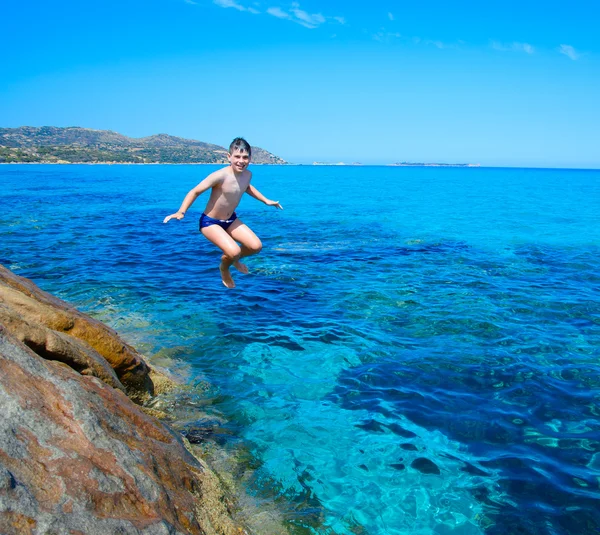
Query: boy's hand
[274,203]
[178,215]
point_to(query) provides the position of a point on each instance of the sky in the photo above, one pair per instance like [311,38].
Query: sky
[499,83]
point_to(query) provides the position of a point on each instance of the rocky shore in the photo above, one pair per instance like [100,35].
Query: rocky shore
[79,454]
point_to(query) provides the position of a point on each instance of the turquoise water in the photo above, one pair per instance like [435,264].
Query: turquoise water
[415,351]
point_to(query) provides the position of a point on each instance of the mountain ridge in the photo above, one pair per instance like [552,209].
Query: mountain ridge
[74,144]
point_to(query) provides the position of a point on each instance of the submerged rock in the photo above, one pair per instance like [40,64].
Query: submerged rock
[425,466]
[398,466]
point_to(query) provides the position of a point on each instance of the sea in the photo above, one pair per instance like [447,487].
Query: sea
[416,350]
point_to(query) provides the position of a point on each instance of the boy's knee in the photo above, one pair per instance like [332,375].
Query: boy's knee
[255,247]
[233,253]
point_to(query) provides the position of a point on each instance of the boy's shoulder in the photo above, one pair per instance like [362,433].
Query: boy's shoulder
[227,174]
[220,174]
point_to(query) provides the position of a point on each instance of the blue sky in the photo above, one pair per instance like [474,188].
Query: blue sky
[512,83]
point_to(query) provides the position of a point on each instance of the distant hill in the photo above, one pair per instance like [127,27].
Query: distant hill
[50,144]
[422,164]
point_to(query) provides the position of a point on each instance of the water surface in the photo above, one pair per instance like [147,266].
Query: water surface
[415,351]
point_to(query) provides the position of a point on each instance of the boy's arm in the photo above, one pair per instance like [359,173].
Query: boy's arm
[209,182]
[253,192]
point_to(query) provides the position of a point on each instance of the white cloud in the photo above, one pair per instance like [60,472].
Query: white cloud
[569,51]
[229,3]
[391,16]
[302,17]
[234,5]
[386,37]
[294,14]
[437,44]
[513,47]
[528,48]
[279,13]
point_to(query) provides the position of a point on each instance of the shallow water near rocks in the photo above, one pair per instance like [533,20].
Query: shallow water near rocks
[415,351]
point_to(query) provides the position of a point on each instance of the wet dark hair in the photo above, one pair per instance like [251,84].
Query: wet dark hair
[241,144]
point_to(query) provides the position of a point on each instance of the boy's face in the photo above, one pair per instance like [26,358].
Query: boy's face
[239,159]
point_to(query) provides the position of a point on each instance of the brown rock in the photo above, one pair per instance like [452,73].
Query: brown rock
[53,345]
[77,456]
[37,307]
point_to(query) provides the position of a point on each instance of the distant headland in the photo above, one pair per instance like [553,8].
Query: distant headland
[408,164]
[422,164]
[51,144]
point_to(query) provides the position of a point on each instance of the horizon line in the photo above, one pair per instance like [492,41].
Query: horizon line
[289,164]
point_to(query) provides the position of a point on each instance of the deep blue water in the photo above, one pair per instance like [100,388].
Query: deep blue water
[416,350]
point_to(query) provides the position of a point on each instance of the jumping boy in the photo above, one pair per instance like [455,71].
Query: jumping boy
[219,222]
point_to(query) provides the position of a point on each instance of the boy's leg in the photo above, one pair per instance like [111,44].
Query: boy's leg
[251,244]
[231,250]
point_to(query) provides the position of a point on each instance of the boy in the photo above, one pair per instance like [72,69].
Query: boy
[219,222]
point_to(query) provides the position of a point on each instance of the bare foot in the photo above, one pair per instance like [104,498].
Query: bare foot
[242,268]
[226,277]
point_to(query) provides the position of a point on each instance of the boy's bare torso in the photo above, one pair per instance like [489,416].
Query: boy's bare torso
[227,193]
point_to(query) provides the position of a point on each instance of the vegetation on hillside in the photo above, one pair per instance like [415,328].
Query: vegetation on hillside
[51,144]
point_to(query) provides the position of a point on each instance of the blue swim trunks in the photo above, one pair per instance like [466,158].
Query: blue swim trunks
[206,221]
